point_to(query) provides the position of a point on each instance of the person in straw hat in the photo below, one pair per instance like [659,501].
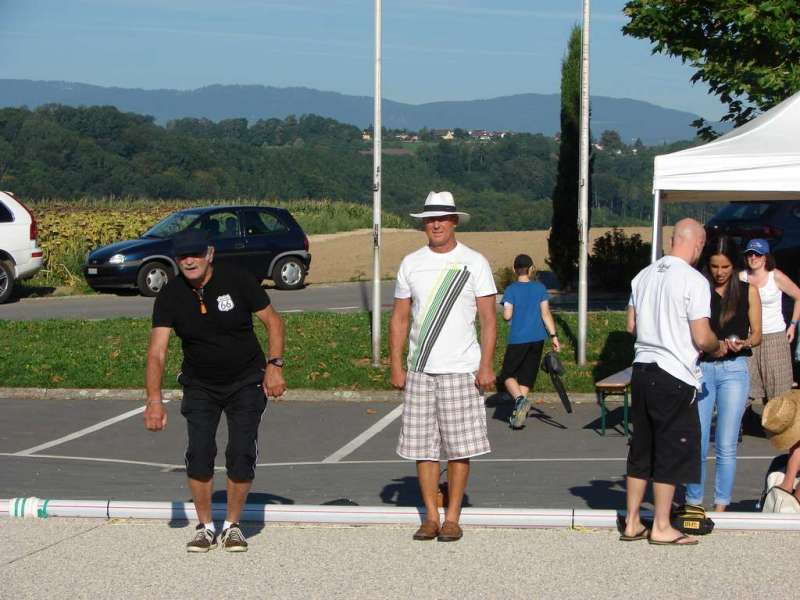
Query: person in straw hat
[439,290]
[781,420]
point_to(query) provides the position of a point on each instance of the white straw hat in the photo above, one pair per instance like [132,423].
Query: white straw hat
[440,204]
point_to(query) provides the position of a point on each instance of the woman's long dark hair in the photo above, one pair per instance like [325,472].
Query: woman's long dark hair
[725,246]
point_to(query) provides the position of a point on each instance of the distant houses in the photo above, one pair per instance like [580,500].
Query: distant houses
[483,135]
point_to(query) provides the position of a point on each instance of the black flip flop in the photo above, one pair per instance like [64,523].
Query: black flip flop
[676,542]
[642,535]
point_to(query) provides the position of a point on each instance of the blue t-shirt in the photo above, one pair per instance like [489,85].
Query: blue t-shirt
[526,320]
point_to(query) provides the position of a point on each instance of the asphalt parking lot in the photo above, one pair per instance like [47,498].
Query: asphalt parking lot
[321,452]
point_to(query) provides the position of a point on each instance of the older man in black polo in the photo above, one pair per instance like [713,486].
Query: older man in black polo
[224,370]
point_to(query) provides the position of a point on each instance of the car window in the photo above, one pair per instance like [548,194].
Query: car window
[743,211]
[221,225]
[5,214]
[173,224]
[262,223]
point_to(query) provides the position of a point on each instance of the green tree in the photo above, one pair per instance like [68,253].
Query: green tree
[563,241]
[748,53]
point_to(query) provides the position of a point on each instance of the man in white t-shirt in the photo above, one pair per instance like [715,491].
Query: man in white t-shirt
[439,290]
[669,313]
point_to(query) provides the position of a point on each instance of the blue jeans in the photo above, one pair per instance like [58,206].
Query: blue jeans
[725,386]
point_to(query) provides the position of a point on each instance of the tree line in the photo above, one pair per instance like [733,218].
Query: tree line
[61,152]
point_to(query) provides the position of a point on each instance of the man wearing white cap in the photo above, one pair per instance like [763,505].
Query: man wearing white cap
[440,289]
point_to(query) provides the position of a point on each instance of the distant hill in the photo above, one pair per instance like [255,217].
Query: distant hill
[534,113]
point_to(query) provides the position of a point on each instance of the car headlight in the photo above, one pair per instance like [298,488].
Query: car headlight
[116,259]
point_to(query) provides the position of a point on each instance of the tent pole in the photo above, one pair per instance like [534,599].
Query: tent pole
[656,251]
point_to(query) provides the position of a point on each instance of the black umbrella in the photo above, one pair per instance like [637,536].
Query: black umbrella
[553,367]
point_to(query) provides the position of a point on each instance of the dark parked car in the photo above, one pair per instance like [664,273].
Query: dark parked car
[266,241]
[778,222]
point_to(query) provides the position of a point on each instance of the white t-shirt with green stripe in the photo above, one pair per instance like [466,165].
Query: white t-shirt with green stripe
[443,288]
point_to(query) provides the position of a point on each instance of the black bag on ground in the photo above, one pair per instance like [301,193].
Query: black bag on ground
[691,519]
[551,364]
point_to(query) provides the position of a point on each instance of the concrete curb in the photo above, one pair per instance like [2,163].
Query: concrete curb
[300,395]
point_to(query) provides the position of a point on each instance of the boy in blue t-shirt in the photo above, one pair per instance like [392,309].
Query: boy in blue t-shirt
[526,304]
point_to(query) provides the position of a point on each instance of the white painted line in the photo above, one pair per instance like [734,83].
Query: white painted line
[362,439]
[323,462]
[82,432]
[291,310]
[343,307]
[120,461]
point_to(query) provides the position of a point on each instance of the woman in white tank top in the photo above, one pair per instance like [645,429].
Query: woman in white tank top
[771,363]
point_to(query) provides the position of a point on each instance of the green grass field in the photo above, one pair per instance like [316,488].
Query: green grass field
[323,351]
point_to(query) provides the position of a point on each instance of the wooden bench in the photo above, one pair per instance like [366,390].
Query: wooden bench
[617,384]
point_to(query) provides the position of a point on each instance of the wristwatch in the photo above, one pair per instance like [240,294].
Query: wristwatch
[277,362]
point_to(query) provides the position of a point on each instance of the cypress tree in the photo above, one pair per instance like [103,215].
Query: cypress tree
[563,241]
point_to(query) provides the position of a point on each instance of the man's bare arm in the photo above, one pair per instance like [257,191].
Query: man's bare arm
[155,417]
[398,333]
[274,383]
[705,339]
[630,320]
[487,314]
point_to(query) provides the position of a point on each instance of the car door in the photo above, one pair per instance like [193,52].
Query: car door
[225,229]
[265,236]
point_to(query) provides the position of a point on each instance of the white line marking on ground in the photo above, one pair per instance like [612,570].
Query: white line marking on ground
[343,462]
[362,439]
[120,461]
[82,432]
[291,310]
[343,307]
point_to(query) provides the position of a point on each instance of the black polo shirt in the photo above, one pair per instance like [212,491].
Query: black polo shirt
[219,346]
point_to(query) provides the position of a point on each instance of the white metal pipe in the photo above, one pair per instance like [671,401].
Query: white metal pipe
[376,197]
[583,191]
[33,507]
[658,244]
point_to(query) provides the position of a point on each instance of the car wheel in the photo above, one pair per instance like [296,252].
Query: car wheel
[152,278]
[6,280]
[289,273]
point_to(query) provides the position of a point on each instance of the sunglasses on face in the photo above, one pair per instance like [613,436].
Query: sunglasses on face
[752,254]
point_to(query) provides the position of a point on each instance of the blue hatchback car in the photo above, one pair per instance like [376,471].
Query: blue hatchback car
[266,241]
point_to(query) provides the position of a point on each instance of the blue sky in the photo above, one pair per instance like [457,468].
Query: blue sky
[432,49]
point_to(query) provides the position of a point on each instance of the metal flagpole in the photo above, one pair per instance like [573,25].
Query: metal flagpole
[583,190]
[376,198]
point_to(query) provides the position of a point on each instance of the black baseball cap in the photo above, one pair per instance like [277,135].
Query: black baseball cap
[523,261]
[194,241]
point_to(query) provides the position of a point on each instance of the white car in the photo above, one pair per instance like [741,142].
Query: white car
[20,255]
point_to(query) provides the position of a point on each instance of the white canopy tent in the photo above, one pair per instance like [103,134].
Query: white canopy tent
[758,161]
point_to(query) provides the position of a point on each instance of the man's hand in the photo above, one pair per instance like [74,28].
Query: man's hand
[790,332]
[398,378]
[556,344]
[273,383]
[485,379]
[155,416]
[722,349]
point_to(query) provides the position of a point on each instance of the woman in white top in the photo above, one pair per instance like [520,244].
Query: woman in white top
[771,363]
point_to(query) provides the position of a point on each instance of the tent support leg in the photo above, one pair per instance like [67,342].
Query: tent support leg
[657,218]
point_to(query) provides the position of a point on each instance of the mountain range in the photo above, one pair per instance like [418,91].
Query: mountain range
[534,113]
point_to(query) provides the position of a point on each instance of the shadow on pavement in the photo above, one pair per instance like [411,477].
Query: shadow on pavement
[503,405]
[605,495]
[614,419]
[405,492]
[180,519]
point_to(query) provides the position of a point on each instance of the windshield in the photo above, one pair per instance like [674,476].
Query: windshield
[743,211]
[175,223]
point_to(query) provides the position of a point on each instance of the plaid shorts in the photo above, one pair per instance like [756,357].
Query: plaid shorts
[442,410]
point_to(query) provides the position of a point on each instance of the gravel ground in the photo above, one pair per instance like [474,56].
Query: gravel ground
[87,558]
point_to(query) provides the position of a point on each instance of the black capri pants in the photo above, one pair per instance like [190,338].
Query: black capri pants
[665,444]
[243,403]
